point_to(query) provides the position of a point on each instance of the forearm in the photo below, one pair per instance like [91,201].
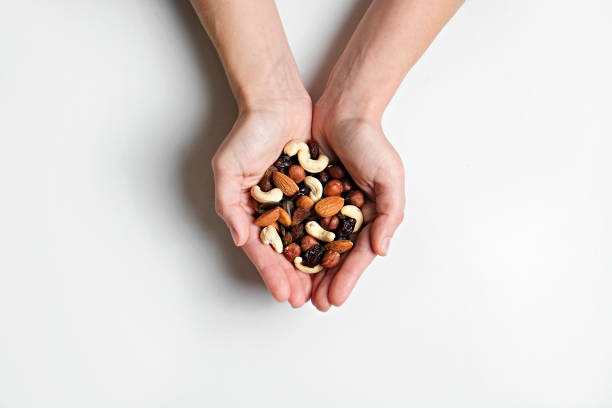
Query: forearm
[253,48]
[389,40]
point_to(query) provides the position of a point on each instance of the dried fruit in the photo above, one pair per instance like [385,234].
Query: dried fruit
[340,246]
[332,188]
[292,251]
[345,229]
[355,198]
[313,256]
[308,242]
[285,183]
[330,259]
[267,218]
[283,162]
[314,149]
[287,238]
[330,223]
[323,176]
[304,202]
[299,215]
[296,173]
[266,180]
[297,231]
[304,190]
[336,171]
[329,206]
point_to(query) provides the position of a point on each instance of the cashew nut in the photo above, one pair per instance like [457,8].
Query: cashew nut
[316,188]
[315,230]
[269,235]
[272,196]
[297,261]
[311,165]
[353,212]
[294,146]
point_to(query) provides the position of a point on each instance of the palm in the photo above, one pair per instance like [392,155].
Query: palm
[255,142]
[377,169]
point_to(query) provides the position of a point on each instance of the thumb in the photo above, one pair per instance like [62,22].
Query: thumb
[227,205]
[390,202]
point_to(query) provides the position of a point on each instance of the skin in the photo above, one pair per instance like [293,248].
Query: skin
[274,107]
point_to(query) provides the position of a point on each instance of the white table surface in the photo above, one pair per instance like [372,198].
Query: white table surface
[119,287]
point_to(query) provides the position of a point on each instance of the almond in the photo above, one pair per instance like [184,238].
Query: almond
[285,183]
[284,217]
[329,206]
[340,246]
[268,218]
[304,202]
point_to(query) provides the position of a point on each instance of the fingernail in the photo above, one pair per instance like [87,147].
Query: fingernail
[385,245]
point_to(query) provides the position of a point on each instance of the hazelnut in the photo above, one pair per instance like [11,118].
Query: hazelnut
[336,171]
[330,223]
[296,173]
[330,259]
[292,251]
[333,188]
[355,198]
[308,242]
[347,185]
[304,202]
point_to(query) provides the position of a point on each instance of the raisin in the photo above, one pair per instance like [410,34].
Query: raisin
[299,215]
[304,190]
[323,177]
[266,181]
[314,150]
[346,227]
[297,232]
[313,256]
[283,163]
[287,238]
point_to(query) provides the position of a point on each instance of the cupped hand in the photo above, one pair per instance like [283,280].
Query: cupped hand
[375,166]
[254,143]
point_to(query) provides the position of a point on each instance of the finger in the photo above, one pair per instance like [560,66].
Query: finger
[351,269]
[272,267]
[306,281]
[297,297]
[228,193]
[390,201]
[319,298]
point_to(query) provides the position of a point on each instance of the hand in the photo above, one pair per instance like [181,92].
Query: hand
[254,143]
[375,166]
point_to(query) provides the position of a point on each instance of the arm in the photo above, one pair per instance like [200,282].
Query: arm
[391,37]
[273,107]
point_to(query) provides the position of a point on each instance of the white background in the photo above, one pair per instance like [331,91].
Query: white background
[119,287]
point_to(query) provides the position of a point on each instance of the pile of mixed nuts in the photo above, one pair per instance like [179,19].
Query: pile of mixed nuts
[308,209]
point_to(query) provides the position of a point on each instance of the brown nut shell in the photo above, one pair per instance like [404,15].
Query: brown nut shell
[307,242]
[285,183]
[304,202]
[296,173]
[330,223]
[292,251]
[333,188]
[329,206]
[268,218]
[336,171]
[355,198]
[330,259]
